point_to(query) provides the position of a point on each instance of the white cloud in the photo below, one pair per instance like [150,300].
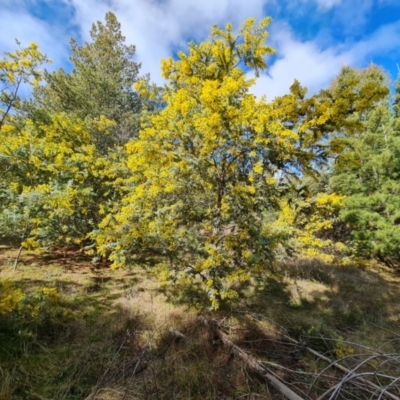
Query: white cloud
[353,15]
[159,27]
[29,29]
[326,5]
[384,41]
[315,67]
[303,61]
[298,6]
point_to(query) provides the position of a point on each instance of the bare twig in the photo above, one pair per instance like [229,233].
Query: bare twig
[384,391]
[351,374]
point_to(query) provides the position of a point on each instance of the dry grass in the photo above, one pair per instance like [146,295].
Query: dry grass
[113,340]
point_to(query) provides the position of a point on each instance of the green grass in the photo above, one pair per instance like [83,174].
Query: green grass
[110,336]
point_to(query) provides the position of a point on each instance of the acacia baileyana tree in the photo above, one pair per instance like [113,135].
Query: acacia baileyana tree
[55,183]
[16,69]
[211,168]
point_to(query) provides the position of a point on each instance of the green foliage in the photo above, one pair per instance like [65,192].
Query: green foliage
[100,84]
[367,173]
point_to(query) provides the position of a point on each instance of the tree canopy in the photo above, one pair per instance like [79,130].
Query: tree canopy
[209,183]
[100,83]
[367,173]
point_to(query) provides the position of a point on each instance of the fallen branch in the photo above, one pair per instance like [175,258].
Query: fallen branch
[345,370]
[252,363]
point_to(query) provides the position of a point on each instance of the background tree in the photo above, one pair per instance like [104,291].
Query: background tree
[100,84]
[368,174]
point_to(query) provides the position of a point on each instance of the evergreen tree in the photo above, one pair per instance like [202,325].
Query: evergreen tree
[368,174]
[100,84]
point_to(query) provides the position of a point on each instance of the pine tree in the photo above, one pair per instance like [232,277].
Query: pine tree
[368,174]
[100,83]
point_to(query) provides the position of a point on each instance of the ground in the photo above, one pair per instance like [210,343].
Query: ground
[107,334]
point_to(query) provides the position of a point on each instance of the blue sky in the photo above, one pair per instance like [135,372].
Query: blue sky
[312,38]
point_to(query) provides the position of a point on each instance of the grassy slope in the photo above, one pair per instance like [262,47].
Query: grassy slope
[112,339]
